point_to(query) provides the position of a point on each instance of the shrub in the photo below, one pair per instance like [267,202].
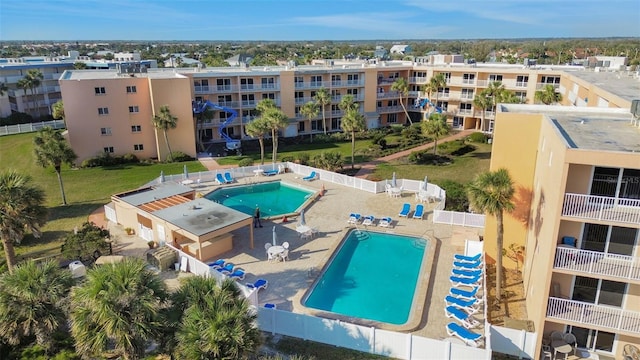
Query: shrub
[106,159]
[88,242]
[396,129]
[130,158]
[246,161]
[287,158]
[455,148]
[426,157]
[478,137]
[179,156]
[331,161]
[303,158]
[457,199]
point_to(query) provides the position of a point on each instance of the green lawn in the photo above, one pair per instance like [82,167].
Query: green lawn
[463,169]
[86,189]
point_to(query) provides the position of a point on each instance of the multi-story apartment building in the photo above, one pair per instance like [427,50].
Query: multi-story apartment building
[12,70]
[291,87]
[577,218]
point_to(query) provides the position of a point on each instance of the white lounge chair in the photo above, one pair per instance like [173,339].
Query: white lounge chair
[385,222]
[368,220]
[354,218]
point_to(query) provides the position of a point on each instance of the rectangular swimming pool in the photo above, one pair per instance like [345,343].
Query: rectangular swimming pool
[274,198]
[372,276]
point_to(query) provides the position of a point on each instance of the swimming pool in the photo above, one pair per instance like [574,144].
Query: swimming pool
[274,198]
[372,276]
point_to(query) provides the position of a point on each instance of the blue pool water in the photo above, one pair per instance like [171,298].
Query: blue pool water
[273,198]
[373,276]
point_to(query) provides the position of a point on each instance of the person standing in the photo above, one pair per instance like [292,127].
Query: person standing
[256,218]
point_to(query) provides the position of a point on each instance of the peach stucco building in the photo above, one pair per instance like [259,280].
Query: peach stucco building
[111,110]
[577,220]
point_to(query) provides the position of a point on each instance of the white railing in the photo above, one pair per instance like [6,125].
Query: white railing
[458,218]
[363,338]
[597,263]
[30,127]
[601,208]
[596,315]
[340,179]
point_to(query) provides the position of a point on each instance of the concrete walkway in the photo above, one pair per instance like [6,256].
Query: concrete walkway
[367,168]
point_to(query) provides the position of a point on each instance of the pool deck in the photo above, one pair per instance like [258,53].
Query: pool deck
[289,281]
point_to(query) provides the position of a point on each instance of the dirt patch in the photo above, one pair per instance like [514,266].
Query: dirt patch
[512,306]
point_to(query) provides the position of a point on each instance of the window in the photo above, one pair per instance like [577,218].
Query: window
[458,121]
[268,83]
[298,81]
[444,105]
[248,99]
[522,95]
[131,89]
[134,109]
[336,80]
[138,147]
[468,78]
[494,77]
[353,92]
[271,96]
[522,80]
[335,94]
[335,123]
[224,99]
[609,239]
[593,339]
[108,149]
[467,93]
[316,81]
[420,74]
[447,76]
[100,90]
[443,92]
[136,128]
[392,118]
[105,131]
[550,80]
[103,111]
[465,108]
[353,79]
[317,125]
[223,84]
[246,84]
[297,111]
[201,85]
[301,126]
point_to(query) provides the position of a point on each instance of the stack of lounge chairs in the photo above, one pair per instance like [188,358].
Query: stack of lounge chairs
[369,220]
[463,300]
[228,269]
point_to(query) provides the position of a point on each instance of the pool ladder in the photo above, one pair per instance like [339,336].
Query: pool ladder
[361,235]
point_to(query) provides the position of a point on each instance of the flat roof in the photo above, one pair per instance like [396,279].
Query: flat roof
[201,216]
[589,128]
[114,74]
[617,83]
[153,193]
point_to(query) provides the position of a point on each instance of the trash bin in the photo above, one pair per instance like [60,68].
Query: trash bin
[77,269]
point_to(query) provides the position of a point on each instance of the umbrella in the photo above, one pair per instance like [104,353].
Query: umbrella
[424,186]
[274,235]
[393,180]
[161,178]
[301,220]
[185,172]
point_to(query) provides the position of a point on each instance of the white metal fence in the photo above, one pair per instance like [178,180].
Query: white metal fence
[601,208]
[30,127]
[362,338]
[597,263]
[613,318]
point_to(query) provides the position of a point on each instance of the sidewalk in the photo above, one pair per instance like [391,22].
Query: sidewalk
[211,164]
[367,168]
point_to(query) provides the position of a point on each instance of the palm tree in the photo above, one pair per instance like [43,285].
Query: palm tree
[33,302]
[548,95]
[58,112]
[494,91]
[51,149]
[275,120]
[437,82]
[24,85]
[347,103]
[435,128]
[78,65]
[207,114]
[165,121]
[509,97]
[21,208]
[265,105]
[323,98]
[117,309]
[3,88]
[352,122]
[482,101]
[34,78]
[258,128]
[214,321]
[492,192]
[402,87]
[310,110]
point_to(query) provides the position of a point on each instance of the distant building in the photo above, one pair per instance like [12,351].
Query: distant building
[380,53]
[239,60]
[400,49]
[607,62]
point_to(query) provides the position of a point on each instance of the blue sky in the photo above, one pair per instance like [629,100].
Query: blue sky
[315,19]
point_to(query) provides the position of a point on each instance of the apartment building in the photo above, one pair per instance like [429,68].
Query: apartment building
[46,94]
[290,87]
[577,218]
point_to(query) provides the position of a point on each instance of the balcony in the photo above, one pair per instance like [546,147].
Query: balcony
[201,89]
[603,208]
[605,317]
[597,263]
[418,80]
[388,95]
[541,85]
[388,109]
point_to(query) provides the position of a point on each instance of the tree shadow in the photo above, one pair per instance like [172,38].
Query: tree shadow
[522,202]
[72,210]
[482,155]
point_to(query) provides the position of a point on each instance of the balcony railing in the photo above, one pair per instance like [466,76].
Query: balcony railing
[386,109]
[607,317]
[418,80]
[597,263]
[541,85]
[388,95]
[601,208]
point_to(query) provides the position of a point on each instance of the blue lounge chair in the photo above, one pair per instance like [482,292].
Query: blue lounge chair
[467,273]
[465,294]
[354,218]
[406,208]
[419,211]
[271,172]
[463,265]
[270,306]
[385,222]
[217,264]
[469,337]
[228,178]
[474,258]
[259,284]
[465,319]
[462,303]
[311,176]
[368,220]
[226,269]
[457,281]
[237,274]
[219,179]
